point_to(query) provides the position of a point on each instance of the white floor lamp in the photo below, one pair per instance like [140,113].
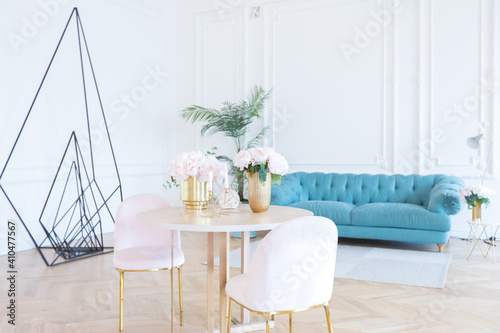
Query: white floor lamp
[474,143]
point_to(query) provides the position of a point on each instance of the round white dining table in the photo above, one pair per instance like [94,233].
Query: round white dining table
[241,220]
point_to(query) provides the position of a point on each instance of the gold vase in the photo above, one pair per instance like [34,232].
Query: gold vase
[194,194]
[259,196]
[476,213]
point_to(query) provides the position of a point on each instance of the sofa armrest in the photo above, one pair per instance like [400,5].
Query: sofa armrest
[288,192]
[445,197]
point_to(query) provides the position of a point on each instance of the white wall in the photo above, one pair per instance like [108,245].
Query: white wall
[399,97]
[354,90]
[132,45]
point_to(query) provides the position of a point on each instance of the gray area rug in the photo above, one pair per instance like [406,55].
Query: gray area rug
[413,268]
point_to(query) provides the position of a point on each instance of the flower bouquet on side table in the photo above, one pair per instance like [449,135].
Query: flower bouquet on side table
[475,196]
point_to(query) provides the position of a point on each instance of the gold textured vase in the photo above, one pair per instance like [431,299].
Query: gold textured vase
[259,196]
[194,194]
[476,213]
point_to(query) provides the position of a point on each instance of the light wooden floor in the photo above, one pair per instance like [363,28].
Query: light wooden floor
[82,297]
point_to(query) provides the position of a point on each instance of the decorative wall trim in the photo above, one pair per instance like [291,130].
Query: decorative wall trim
[495,78]
[430,162]
[238,18]
[395,92]
[20,176]
[388,150]
[424,71]
[272,13]
[138,6]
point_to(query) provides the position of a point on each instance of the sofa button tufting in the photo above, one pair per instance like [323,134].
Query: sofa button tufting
[379,189]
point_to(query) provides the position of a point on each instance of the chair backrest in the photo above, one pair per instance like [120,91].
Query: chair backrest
[293,267]
[130,231]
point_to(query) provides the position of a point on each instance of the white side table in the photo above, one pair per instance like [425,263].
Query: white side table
[482,235]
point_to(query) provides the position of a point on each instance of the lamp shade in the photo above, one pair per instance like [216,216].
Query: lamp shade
[473,142]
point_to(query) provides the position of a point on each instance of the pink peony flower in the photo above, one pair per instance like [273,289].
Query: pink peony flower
[464,193]
[277,164]
[243,159]
[211,164]
[274,162]
[191,169]
[259,155]
[476,193]
[269,151]
[193,164]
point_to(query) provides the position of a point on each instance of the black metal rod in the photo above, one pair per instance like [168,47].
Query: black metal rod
[100,103]
[24,224]
[36,95]
[82,237]
[85,94]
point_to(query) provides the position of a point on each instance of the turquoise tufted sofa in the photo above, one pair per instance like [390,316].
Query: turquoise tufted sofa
[389,207]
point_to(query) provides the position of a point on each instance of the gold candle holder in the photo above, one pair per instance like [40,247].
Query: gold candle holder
[228,200]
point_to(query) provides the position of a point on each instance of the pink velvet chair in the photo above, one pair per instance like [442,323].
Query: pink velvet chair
[292,270]
[140,247]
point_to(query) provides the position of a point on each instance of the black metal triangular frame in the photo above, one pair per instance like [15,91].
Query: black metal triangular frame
[84,238]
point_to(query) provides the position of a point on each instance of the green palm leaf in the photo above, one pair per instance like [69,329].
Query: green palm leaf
[195,113]
[233,120]
[258,139]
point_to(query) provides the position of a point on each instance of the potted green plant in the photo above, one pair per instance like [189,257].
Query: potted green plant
[233,120]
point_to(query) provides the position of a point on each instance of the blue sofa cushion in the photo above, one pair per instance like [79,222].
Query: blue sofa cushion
[364,188]
[399,215]
[338,212]
[438,193]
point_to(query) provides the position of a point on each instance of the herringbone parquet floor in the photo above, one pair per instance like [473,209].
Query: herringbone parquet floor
[82,297]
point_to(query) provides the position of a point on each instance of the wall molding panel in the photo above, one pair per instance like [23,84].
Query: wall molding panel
[384,160]
[430,160]
[390,143]
[233,19]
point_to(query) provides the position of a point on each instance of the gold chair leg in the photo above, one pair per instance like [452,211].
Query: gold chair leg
[290,324]
[268,330]
[122,273]
[229,316]
[328,319]
[180,297]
